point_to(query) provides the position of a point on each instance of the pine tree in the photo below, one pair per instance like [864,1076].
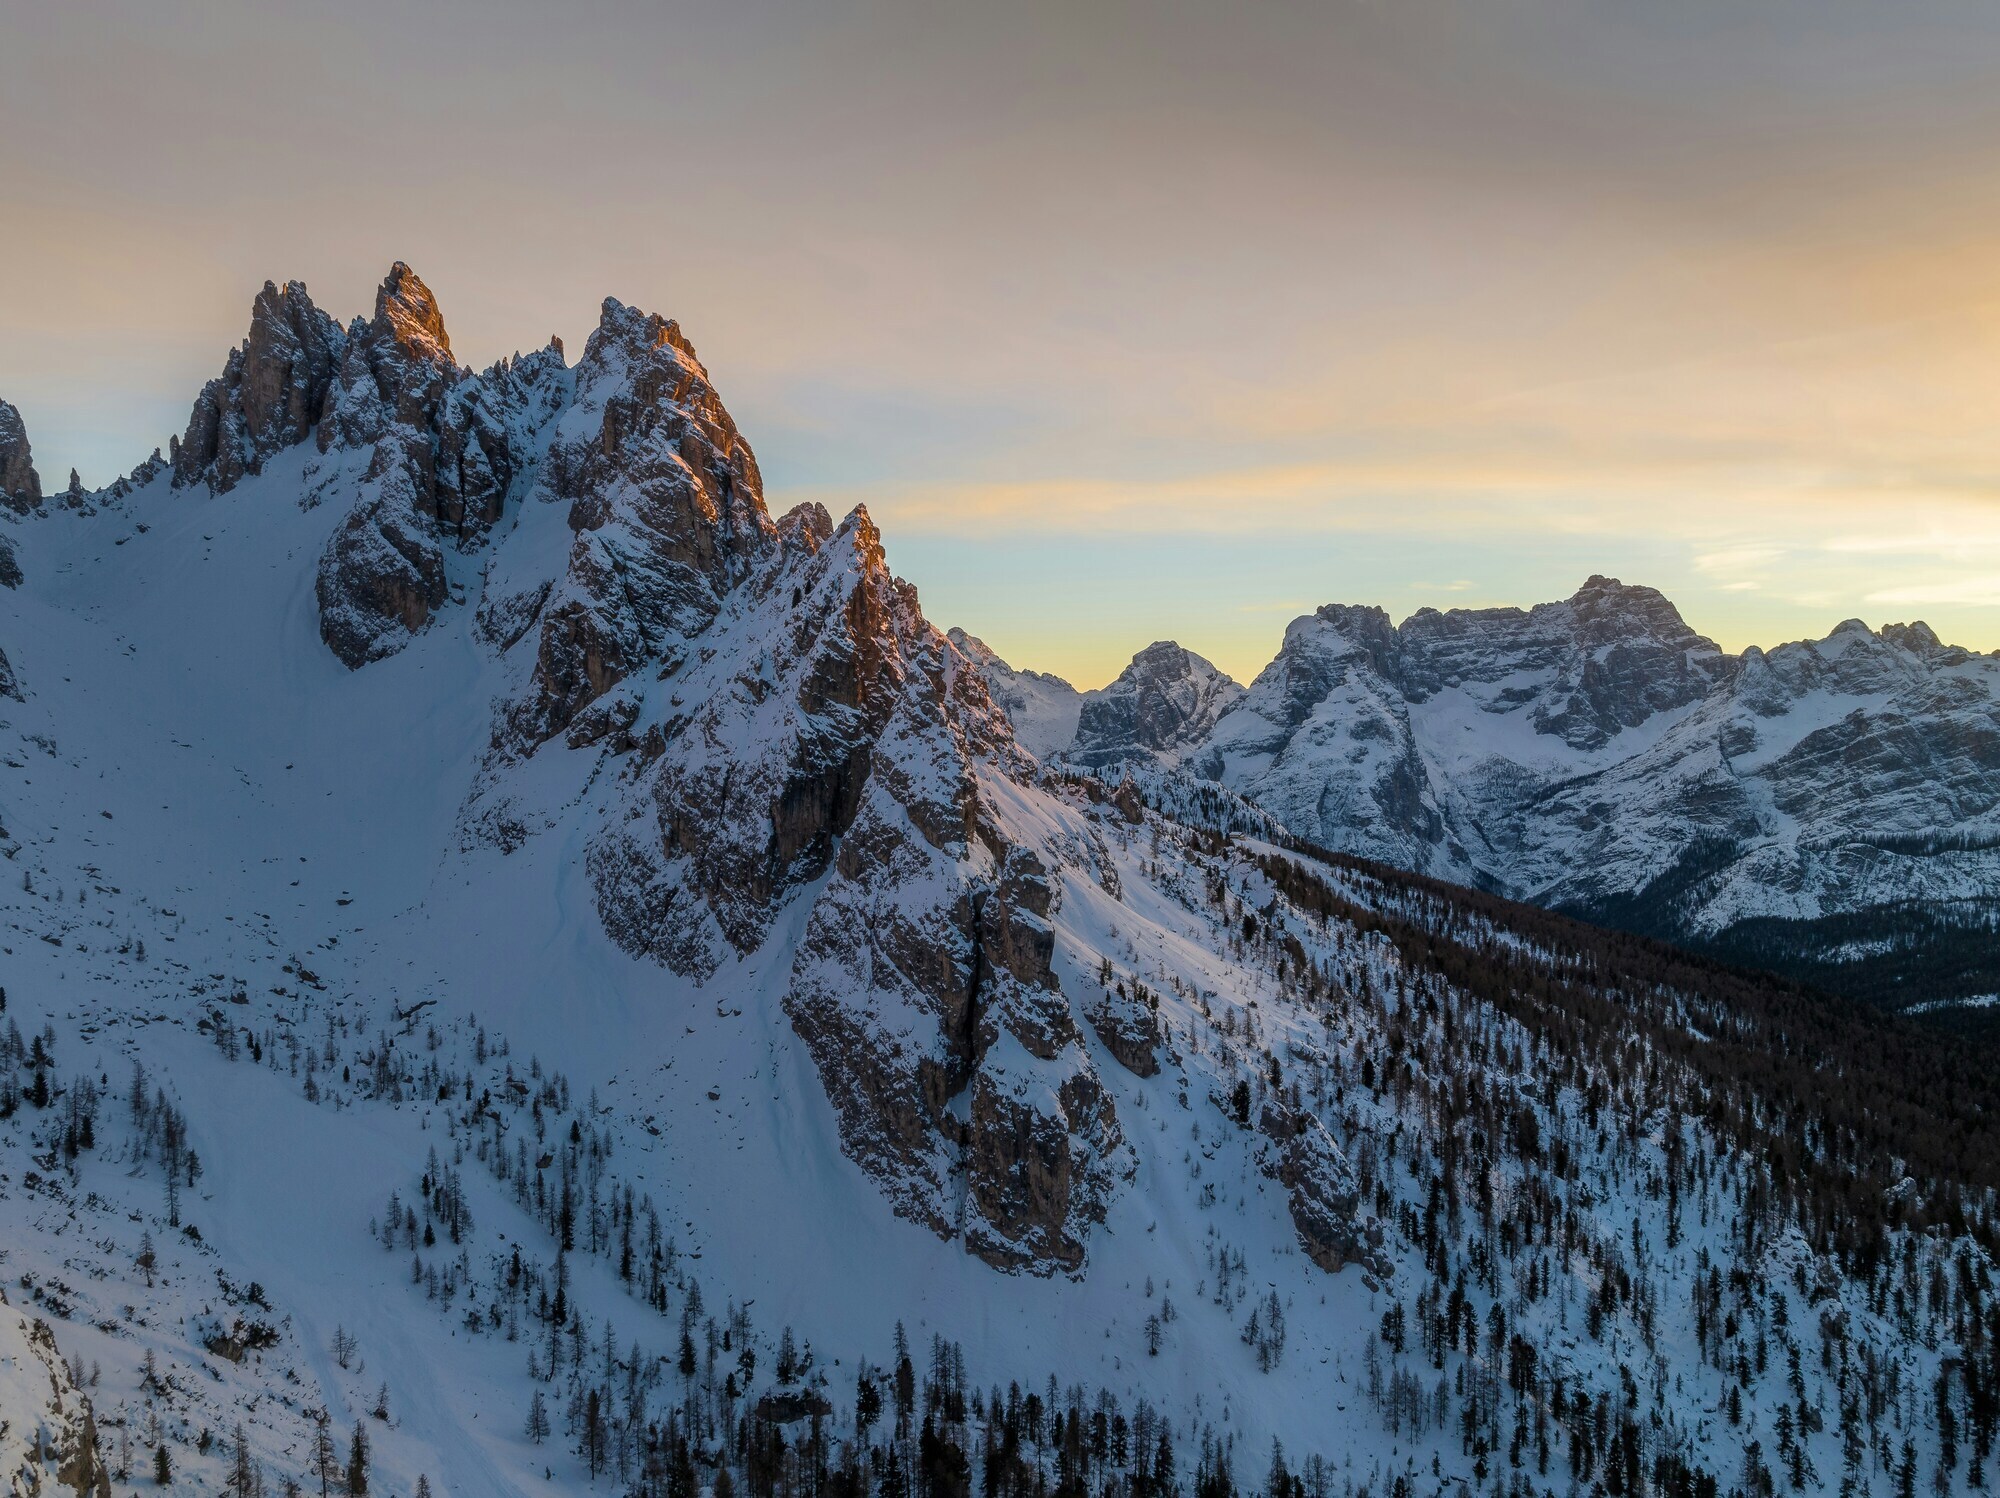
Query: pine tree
[357,1461]
[163,1465]
[538,1419]
[326,1457]
[244,1480]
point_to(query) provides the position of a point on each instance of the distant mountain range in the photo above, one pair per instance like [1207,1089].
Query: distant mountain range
[1828,808]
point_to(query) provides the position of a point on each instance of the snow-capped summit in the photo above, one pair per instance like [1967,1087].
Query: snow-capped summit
[1166,701]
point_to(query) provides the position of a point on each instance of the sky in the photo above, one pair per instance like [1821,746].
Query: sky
[1127,322]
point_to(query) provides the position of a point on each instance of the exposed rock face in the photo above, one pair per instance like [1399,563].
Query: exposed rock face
[20,485]
[270,395]
[1043,708]
[923,978]
[781,717]
[383,571]
[10,565]
[822,732]
[48,1434]
[1167,700]
[1129,1028]
[667,507]
[443,448]
[417,454]
[1605,660]
[759,755]
[1320,1189]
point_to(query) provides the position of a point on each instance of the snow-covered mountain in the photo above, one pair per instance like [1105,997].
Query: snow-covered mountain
[527,972]
[1829,807]
[1166,701]
[1043,708]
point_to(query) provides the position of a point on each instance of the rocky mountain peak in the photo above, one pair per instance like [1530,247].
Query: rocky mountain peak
[394,372]
[1918,638]
[1606,609]
[1166,700]
[972,647]
[271,393]
[1606,659]
[407,312]
[20,485]
[1364,627]
[667,506]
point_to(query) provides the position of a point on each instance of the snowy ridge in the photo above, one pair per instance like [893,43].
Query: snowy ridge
[1043,709]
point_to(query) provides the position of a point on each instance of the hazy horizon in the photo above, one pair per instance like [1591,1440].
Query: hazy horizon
[1132,323]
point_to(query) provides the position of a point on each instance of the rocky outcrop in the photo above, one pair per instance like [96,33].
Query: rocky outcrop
[1165,702]
[146,473]
[1128,1025]
[48,1433]
[382,574]
[415,455]
[667,507]
[271,393]
[780,717]
[923,992]
[1321,1191]
[756,757]
[438,450]
[20,485]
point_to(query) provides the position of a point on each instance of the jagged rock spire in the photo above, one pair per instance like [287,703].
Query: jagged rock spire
[20,485]
[270,395]
[406,310]
[668,507]
[443,445]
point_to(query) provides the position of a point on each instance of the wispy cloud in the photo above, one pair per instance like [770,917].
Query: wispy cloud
[1965,592]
